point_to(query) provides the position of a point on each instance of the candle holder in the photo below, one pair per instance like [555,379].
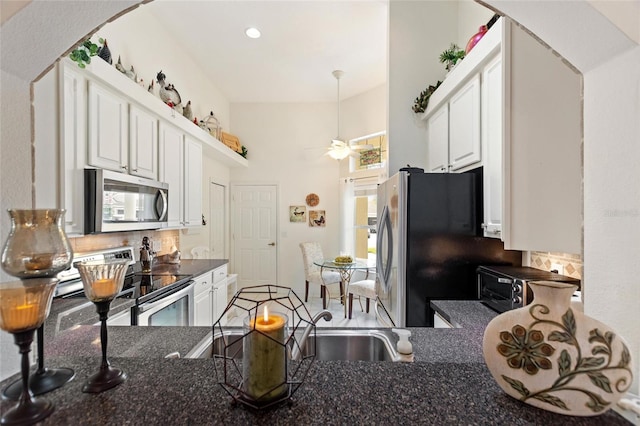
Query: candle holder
[102,281]
[37,246]
[267,365]
[24,305]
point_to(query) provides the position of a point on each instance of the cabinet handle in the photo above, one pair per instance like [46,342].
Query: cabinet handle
[124,167]
[134,170]
[271,244]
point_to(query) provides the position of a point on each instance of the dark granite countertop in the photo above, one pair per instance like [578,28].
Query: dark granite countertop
[447,384]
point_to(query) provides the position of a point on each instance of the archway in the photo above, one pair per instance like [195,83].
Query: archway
[609,61]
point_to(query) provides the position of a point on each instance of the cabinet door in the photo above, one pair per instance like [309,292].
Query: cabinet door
[193,183]
[73,138]
[143,143]
[464,126]
[492,121]
[202,309]
[171,170]
[438,140]
[202,301]
[108,129]
[219,293]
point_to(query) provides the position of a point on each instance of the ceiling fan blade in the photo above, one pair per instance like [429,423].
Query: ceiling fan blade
[362,146]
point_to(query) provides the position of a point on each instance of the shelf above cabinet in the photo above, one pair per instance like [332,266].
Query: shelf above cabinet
[101,71]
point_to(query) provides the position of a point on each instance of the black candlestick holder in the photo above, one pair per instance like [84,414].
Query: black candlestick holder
[43,380]
[30,409]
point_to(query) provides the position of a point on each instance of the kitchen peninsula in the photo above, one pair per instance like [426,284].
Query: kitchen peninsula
[447,384]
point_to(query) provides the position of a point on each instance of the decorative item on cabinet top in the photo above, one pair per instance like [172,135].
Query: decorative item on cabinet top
[475,38]
[451,56]
[421,102]
[231,141]
[168,93]
[83,53]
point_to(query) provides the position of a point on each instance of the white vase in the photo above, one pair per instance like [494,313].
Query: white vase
[552,357]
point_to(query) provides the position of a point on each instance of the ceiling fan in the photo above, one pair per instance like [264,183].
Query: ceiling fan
[339,149]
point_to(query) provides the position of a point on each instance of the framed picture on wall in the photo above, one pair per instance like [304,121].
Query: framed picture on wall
[317,218]
[298,214]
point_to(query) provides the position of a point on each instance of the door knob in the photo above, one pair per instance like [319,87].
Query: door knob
[272,244]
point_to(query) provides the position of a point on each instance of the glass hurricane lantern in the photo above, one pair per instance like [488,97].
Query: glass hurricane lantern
[24,305]
[102,281]
[37,247]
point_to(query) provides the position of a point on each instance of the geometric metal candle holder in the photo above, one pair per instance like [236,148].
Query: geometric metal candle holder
[295,351]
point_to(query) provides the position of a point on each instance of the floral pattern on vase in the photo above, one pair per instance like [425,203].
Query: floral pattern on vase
[552,357]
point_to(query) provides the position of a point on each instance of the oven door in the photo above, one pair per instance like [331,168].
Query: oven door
[173,309]
[496,291]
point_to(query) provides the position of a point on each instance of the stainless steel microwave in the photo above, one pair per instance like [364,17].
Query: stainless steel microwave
[120,202]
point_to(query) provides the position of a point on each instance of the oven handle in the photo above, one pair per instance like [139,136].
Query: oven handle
[167,298]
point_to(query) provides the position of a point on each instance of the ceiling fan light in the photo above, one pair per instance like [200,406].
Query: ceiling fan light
[339,153]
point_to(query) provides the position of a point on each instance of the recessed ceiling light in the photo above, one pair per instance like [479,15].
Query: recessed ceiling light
[252,32]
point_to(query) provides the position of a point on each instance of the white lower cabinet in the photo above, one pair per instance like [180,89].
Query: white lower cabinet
[219,294]
[210,297]
[202,301]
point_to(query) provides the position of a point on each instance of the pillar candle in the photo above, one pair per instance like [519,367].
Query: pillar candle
[264,360]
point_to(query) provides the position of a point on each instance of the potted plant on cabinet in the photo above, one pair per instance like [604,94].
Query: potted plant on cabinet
[451,56]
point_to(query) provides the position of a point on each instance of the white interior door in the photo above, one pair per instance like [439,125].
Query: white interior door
[216,222]
[254,224]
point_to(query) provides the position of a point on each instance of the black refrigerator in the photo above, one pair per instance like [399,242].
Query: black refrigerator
[429,243]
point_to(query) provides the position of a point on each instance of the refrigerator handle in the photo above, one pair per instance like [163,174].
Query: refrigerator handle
[384,268]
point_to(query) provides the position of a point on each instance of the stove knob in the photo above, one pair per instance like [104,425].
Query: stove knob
[517,300]
[517,289]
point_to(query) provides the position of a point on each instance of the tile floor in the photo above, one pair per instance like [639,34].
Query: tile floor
[360,318]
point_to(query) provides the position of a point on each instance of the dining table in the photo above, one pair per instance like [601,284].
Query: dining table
[346,270]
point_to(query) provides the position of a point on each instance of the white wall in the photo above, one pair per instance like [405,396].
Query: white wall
[140,40]
[287,143]
[418,33]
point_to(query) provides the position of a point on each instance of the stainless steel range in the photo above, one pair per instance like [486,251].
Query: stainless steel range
[157,299]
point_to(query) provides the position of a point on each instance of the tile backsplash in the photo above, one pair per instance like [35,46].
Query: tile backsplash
[572,262]
[162,241]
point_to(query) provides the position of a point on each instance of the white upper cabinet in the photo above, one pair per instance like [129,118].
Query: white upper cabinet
[453,131]
[464,126]
[543,148]
[143,143]
[171,170]
[193,183]
[438,140]
[180,165]
[108,129]
[492,161]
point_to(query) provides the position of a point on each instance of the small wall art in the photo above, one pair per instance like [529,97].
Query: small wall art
[317,218]
[297,214]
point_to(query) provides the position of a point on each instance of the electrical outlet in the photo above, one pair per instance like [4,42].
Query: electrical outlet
[157,245]
[558,267]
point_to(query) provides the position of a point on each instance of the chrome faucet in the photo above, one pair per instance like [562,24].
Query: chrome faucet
[296,353]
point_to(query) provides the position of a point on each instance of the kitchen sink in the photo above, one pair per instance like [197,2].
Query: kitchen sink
[330,345]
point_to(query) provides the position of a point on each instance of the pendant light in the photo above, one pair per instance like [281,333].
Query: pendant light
[339,149]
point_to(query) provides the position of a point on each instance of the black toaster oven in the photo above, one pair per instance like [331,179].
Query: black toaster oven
[503,288]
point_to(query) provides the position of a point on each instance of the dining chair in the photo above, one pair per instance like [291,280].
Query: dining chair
[312,252]
[363,288]
[200,252]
